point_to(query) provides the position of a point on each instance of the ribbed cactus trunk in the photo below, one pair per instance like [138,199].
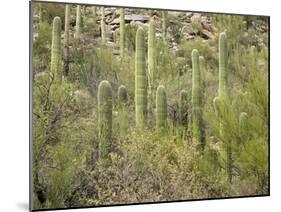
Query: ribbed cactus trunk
[66,40]
[183,109]
[140,80]
[151,53]
[202,67]
[122,109]
[151,64]
[104,118]
[197,127]
[122,32]
[161,107]
[224,99]
[164,25]
[78,23]
[102,22]
[56,51]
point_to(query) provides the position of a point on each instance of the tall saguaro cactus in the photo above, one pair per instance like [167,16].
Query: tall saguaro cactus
[224,99]
[104,118]
[78,23]
[223,86]
[151,53]
[183,109]
[122,110]
[197,127]
[56,51]
[161,107]
[66,40]
[122,32]
[102,22]
[140,80]
[164,25]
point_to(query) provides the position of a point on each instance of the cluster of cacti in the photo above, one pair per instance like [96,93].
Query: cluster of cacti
[56,51]
[197,125]
[164,25]
[161,107]
[122,103]
[183,109]
[122,32]
[78,23]
[66,40]
[102,25]
[140,80]
[104,118]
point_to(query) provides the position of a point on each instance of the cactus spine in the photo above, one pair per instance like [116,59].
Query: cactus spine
[151,53]
[78,23]
[183,109]
[196,100]
[122,32]
[161,107]
[56,57]
[164,25]
[104,118]
[140,80]
[66,40]
[102,26]
[122,103]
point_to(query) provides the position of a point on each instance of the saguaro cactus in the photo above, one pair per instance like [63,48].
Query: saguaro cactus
[164,24]
[66,40]
[161,107]
[78,23]
[56,51]
[202,67]
[102,22]
[196,100]
[183,109]
[224,99]
[122,32]
[122,103]
[140,80]
[104,118]
[151,53]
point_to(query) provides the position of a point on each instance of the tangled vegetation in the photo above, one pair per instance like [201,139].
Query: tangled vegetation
[134,106]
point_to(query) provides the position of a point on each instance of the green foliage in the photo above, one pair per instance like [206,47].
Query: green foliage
[161,107]
[140,80]
[56,53]
[76,125]
[104,118]
[183,109]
